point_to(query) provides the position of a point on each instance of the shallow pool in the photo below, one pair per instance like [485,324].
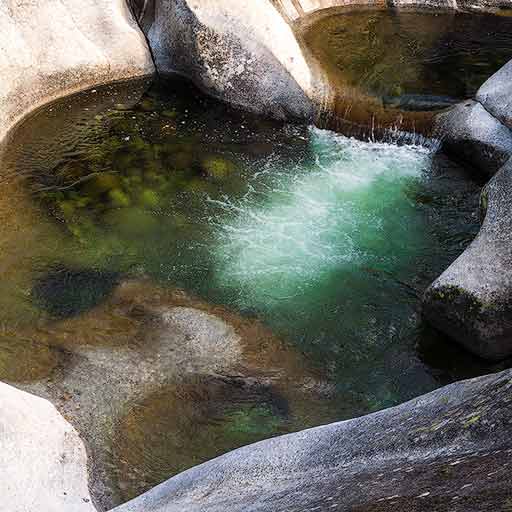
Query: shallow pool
[327,240]
[396,66]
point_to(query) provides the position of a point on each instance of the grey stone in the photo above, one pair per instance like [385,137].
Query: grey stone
[445,451]
[246,56]
[52,48]
[472,300]
[496,94]
[468,132]
[42,459]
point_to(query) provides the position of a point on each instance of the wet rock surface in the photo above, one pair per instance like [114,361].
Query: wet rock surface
[471,300]
[446,451]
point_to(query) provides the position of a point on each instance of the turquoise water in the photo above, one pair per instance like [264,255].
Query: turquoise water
[327,240]
[323,252]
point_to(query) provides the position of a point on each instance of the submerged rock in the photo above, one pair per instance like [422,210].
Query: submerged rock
[445,451]
[471,300]
[43,461]
[65,292]
[150,366]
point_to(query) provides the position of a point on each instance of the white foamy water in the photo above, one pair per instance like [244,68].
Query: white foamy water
[346,208]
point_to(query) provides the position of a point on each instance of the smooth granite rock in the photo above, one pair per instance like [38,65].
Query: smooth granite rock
[239,51]
[42,460]
[449,450]
[496,95]
[472,300]
[469,133]
[52,48]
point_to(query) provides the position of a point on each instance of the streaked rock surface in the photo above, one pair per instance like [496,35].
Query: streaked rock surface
[239,51]
[496,95]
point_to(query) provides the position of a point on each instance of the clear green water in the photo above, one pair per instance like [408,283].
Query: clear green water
[398,52]
[395,67]
[327,240]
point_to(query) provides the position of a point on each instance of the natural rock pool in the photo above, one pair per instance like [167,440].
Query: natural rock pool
[136,216]
[397,66]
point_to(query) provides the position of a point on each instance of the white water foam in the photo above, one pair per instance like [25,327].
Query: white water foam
[294,228]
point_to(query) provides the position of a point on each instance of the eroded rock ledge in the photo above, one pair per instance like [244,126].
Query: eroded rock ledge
[472,300]
[52,48]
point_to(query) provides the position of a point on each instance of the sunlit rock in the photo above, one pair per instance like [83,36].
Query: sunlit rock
[496,95]
[43,461]
[53,48]
[241,52]
[468,132]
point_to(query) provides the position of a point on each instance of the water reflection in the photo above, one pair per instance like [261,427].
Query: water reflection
[394,67]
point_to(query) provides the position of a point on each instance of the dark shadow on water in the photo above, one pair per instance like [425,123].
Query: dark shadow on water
[448,361]
[65,292]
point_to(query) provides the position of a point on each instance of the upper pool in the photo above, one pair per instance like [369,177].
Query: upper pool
[327,241]
[396,66]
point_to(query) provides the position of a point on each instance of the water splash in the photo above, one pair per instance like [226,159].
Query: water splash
[295,228]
